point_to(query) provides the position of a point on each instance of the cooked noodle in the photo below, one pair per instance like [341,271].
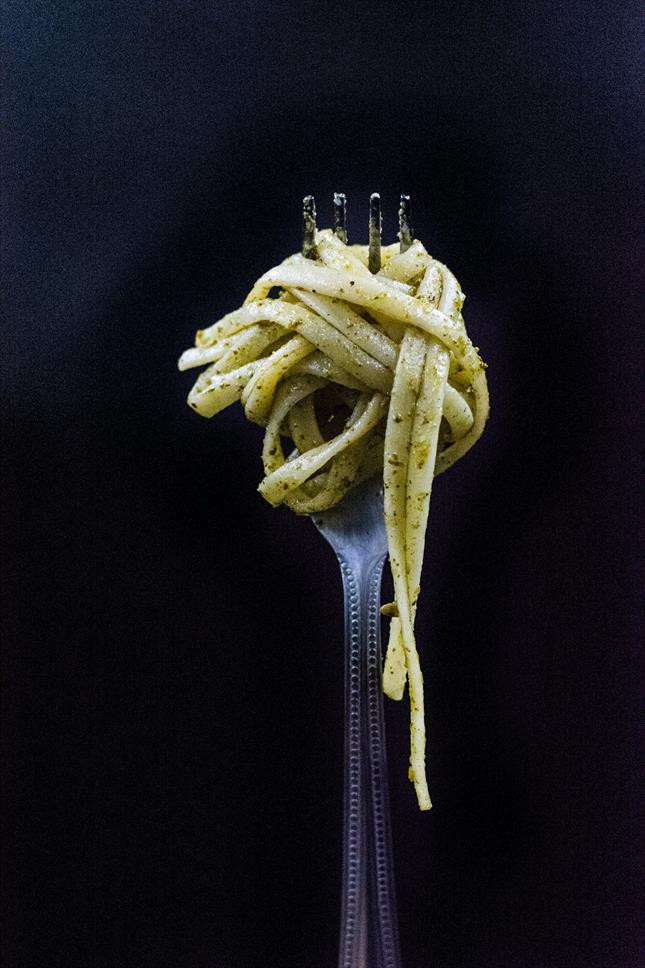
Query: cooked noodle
[365,374]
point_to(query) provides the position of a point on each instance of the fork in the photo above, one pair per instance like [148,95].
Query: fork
[355,529]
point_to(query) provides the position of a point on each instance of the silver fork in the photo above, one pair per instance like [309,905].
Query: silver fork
[356,531]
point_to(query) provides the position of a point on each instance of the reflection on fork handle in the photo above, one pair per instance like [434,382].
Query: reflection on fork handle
[369,935]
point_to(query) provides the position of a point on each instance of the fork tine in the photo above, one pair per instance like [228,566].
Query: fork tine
[376,223]
[340,216]
[406,234]
[309,227]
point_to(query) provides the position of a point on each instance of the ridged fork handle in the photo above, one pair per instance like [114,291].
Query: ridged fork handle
[369,936]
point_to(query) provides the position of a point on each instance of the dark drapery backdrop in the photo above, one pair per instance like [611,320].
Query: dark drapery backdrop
[173,646]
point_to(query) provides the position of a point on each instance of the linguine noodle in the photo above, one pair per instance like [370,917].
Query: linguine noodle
[366,374]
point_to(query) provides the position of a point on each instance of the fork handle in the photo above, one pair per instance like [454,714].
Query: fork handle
[369,932]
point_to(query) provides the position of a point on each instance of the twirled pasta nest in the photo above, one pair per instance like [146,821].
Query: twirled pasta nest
[366,374]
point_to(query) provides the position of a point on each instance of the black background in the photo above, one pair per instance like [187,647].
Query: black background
[173,646]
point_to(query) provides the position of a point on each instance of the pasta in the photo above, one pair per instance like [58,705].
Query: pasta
[365,373]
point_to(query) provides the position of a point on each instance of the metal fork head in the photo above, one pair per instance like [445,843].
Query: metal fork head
[375,229]
[355,525]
